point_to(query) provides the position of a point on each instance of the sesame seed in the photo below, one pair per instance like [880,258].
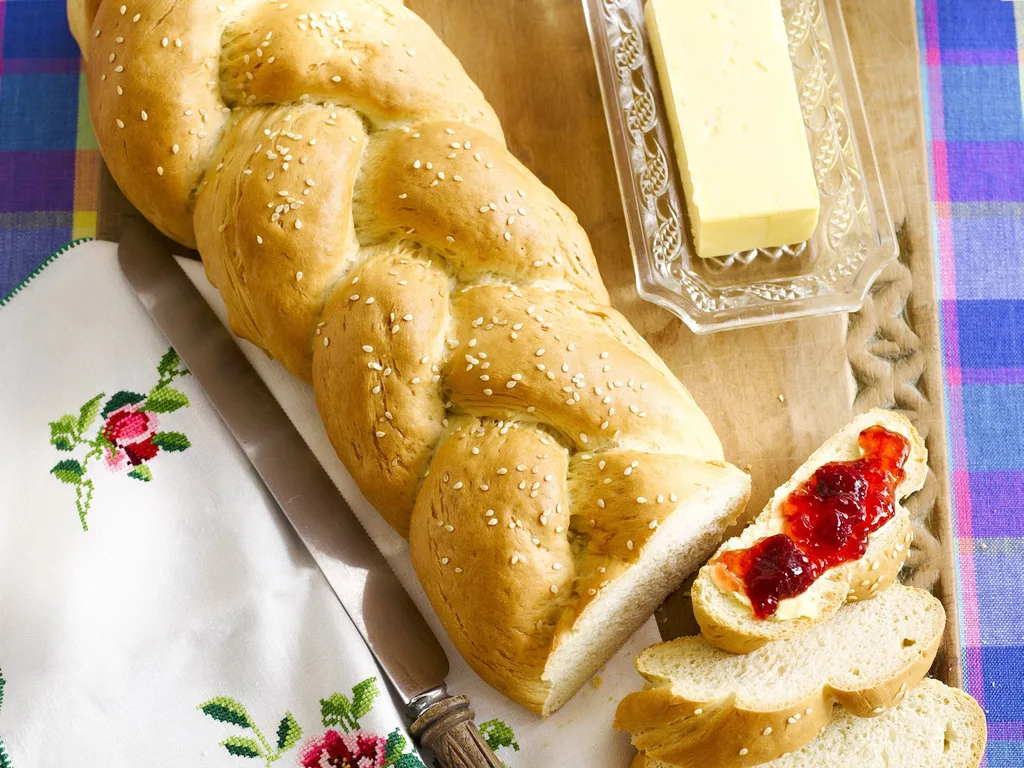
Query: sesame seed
[326,341]
[336,79]
[698,710]
[298,275]
[444,561]
[120,123]
[259,239]
[743,751]
[767,731]
[554,589]
[629,544]
[144,115]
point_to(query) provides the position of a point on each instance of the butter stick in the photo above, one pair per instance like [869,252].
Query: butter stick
[727,83]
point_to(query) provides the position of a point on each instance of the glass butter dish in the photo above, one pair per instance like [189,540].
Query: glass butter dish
[854,239]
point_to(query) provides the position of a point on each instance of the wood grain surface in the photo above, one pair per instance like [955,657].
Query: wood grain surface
[773,393]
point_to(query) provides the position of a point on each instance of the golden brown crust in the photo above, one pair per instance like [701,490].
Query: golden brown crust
[350,192]
[372,56]
[376,375]
[463,195]
[273,224]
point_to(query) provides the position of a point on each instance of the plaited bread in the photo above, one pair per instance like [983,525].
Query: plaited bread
[351,195]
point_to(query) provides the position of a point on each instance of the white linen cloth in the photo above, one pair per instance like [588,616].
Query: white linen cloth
[189,587]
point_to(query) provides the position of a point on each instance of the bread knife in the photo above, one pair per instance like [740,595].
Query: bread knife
[395,631]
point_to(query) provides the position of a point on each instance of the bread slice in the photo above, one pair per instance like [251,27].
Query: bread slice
[712,709]
[726,618]
[935,726]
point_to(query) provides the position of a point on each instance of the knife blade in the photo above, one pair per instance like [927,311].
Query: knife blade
[394,629]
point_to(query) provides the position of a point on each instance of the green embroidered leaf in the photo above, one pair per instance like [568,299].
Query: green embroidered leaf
[394,748]
[334,709]
[87,413]
[288,732]
[168,363]
[68,471]
[224,709]
[242,746]
[498,734]
[171,441]
[409,760]
[363,695]
[61,443]
[165,400]
[65,425]
[121,399]
[141,472]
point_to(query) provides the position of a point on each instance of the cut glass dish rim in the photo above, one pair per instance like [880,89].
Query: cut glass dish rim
[644,152]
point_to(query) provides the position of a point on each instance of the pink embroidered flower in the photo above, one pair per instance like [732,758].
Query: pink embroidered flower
[358,749]
[115,459]
[131,433]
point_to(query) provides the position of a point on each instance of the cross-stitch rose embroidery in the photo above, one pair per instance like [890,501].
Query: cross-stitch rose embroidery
[359,749]
[128,437]
[130,434]
[343,744]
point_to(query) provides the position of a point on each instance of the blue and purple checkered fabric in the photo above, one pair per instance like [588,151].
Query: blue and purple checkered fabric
[972,53]
[49,163]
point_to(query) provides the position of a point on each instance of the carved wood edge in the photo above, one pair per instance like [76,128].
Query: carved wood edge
[891,366]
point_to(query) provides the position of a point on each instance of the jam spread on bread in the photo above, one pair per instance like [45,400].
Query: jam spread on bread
[826,522]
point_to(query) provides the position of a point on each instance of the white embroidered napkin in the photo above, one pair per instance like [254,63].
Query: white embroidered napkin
[188,588]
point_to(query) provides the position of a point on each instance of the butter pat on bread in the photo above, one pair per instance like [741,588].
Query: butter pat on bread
[728,87]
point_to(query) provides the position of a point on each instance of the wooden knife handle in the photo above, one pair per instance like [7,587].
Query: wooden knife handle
[447,729]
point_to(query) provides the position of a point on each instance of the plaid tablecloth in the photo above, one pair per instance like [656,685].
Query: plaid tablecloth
[973,70]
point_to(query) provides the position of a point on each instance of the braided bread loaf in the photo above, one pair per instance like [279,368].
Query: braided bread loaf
[351,195]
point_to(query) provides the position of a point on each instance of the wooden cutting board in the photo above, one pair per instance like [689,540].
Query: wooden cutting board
[773,393]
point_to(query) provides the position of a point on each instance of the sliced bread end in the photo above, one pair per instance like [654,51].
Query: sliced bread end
[935,726]
[712,709]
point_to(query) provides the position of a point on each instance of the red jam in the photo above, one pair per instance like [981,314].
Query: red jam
[826,522]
